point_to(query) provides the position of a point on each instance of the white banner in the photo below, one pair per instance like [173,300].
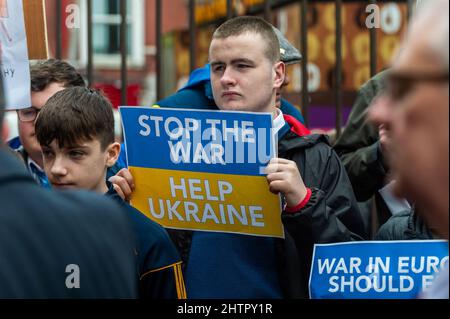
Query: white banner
[14,64]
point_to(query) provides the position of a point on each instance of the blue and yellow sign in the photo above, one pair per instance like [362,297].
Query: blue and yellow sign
[203,170]
[376,269]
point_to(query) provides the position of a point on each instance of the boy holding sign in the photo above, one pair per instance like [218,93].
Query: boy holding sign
[319,204]
[76,132]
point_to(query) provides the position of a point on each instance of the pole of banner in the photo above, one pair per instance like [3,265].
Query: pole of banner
[192,35]
[338,80]
[123,52]
[58,30]
[373,47]
[304,49]
[230,12]
[90,53]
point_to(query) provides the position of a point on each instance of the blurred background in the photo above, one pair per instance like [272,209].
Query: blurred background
[150,55]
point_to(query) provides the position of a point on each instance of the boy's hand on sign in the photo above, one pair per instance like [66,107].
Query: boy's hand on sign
[123,183]
[284,177]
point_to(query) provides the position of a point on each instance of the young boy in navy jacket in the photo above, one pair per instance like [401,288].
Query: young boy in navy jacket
[76,132]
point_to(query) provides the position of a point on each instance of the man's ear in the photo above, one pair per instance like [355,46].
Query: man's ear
[280,71]
[112,154]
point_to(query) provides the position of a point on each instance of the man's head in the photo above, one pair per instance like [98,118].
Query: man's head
[246,70]
[47,78]
[416,110]
[75,130]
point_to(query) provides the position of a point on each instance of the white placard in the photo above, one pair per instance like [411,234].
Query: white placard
[14,64]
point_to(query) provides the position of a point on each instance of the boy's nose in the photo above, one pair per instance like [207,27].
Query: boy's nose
[58,168]
[228,78]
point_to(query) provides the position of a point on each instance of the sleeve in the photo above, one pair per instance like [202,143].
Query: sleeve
[394,228]
[359,148]
[159,263]
[163,283]
[332,213]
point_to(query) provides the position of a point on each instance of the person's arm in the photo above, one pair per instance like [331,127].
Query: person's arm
[163,283]
[160,273]
[331,213]
[328,213]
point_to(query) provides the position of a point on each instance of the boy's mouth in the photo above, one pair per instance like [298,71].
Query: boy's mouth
[63,185]
[230,94]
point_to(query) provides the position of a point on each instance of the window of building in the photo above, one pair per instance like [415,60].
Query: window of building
[106,33]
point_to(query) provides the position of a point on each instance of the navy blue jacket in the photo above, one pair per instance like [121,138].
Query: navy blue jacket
[160,275]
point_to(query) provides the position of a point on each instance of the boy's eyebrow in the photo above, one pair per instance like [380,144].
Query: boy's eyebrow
[216,63]
[242,60]
[71,147]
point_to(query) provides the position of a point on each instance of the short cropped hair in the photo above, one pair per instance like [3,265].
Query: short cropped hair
[76,115]
[249,24]
[51,71]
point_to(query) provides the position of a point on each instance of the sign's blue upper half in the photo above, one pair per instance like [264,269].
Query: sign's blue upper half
[219,142]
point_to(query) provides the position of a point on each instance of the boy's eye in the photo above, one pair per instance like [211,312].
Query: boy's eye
[243,66]
[76,154]
[218,68]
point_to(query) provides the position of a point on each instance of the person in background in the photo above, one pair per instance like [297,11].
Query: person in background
[47,78]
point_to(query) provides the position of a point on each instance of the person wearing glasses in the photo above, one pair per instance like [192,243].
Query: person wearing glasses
[415,106]
[47,78]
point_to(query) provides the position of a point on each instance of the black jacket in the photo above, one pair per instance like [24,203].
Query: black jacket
[332,214]
[407,225]
[360,150]
[43,232]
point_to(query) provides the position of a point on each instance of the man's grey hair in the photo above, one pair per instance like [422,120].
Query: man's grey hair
[436,11]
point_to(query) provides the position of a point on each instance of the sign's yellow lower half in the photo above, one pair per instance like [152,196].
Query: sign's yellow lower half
[208,202]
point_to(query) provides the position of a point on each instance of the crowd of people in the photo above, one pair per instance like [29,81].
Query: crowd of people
[396,143]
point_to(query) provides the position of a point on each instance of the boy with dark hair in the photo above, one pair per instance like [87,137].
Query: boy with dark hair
[47,78]
[76,132]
